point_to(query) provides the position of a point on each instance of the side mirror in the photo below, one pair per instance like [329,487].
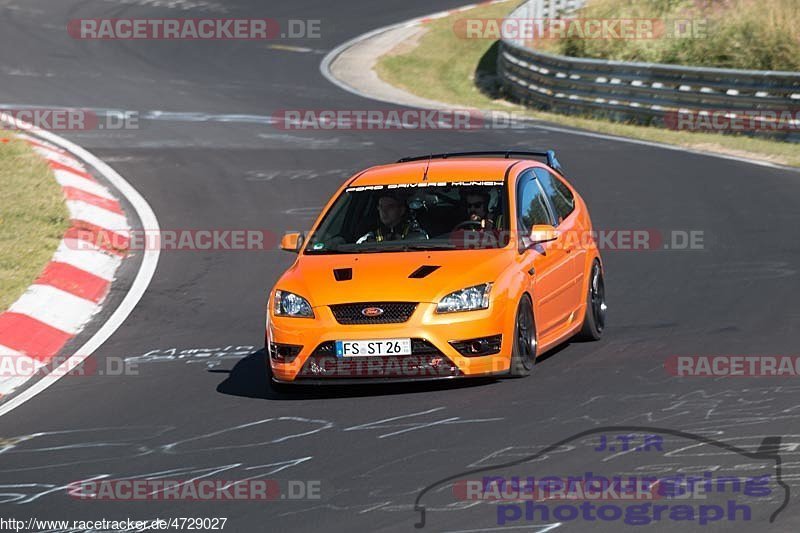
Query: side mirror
[292,241]
[543,233]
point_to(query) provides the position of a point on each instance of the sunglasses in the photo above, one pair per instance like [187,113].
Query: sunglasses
[475,204]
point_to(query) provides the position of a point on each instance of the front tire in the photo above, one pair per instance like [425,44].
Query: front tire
[523,351]
[594,319]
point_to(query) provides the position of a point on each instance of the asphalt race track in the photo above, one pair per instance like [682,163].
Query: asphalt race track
[211,160]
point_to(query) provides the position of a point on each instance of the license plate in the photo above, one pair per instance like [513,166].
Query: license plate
[373,348]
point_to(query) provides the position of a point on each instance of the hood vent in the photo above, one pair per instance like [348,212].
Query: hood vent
[343,274]
[423,271]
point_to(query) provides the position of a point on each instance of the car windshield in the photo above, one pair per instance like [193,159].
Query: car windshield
[412,217]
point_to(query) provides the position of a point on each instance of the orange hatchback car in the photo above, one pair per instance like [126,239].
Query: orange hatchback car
[438,267]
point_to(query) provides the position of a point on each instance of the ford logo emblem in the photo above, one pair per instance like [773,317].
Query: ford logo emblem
[372,311]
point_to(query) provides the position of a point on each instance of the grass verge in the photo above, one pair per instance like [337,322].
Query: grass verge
[744,34]
[447,68]
[33,217]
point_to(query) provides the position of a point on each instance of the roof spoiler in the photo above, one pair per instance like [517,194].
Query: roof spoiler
[549,155]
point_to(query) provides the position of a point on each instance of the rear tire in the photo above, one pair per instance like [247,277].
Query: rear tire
[594,319]
[523,351]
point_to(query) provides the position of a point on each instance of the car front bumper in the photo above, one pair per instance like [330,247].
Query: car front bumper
[433,357]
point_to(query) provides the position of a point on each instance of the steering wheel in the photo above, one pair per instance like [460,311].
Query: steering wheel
[469,225]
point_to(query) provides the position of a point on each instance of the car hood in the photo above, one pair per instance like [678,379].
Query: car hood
[403,276]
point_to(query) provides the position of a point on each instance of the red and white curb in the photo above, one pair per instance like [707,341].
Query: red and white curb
[102,264]
[71,288]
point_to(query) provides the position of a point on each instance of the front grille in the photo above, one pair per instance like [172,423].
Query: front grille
[426,361]
[393,312]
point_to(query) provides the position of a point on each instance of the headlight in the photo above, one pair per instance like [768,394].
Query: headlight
[290,304]
[469,299]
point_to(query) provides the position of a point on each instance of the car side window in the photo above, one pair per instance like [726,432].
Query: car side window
[531,205]
[561,198]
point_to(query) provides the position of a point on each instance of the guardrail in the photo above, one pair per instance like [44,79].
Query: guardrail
[648,93]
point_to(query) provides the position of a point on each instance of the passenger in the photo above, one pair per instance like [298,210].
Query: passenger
[393,220]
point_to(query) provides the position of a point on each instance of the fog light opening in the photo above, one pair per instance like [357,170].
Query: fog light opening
[283,353]
[478,347]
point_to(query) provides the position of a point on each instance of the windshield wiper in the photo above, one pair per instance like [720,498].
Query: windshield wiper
[405,246]
[428,245]
[326,251]
[393,246]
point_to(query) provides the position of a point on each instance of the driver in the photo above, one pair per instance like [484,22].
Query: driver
[393,220]
[478,208]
